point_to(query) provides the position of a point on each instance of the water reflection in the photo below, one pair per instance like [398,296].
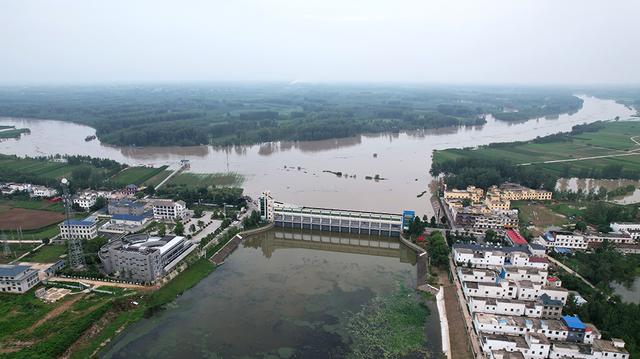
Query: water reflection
[280,292]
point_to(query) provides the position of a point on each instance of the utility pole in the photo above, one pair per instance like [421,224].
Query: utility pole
[76,256]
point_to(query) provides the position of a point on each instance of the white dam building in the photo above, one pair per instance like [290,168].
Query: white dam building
[333,220]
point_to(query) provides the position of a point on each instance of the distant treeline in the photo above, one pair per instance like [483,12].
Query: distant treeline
[193,115]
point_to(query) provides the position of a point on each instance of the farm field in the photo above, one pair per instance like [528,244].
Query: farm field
[32,204]
[27,219]
[136,175]
[13,168]
[613,138]
[205,180]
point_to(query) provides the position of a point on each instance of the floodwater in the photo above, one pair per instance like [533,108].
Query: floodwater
[591,184]
[293,171]
[629,294]
[281,293]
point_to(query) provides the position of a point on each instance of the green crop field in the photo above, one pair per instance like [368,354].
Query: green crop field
[137,175]
[13,168]
[32,204]
[613,138]
[206,180]
[159,177]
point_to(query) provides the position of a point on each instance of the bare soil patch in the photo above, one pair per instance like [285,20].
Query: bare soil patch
[28,218]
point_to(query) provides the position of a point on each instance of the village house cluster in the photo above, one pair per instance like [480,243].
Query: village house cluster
[33,190]
[516,306]
[475,212]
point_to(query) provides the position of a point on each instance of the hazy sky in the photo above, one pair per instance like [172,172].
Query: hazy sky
[474,41]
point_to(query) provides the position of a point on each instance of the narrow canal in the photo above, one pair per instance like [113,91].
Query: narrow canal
[286,294]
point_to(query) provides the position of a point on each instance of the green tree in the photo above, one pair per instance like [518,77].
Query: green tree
[432,222]
[100,203]
[162,229]
[179,228]
[197,213]
[438,250]
[491,236]
[416,227]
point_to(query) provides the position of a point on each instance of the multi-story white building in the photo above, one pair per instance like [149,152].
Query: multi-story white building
[142,258]
[531,345]
[624,226]
[85,229]
[476,274]
[500,306]
[17,278]
[533,274]
[563,239]
[600,349]
[500,289]
[85,200]
[560,330]
[613,238]
[168,209]
[495,257]
[532,291]
[42,191]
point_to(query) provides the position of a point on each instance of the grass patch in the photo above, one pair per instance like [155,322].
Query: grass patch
[13,132]
[537,214]
[17,249]
[18,312]
[568,209]
[157,178]
[185,280]
[136,175]
[196,180]
[47,254]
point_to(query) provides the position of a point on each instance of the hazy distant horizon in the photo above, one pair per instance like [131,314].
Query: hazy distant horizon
[463,42]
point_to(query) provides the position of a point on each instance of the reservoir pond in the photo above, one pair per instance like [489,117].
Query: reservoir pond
[281,294]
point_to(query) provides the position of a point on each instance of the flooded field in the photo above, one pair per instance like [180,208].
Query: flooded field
[293,171]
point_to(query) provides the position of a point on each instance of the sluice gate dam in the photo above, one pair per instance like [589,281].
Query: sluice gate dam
[333,220]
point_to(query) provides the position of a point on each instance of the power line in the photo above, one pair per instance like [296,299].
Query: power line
[76,255]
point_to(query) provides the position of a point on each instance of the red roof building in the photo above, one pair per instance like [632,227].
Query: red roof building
[516,238]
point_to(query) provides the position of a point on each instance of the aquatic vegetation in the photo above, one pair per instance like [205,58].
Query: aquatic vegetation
[389,326]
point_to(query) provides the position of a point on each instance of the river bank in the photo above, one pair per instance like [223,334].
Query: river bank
[405,157]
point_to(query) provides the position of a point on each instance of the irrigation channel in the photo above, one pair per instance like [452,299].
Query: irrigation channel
[289,294]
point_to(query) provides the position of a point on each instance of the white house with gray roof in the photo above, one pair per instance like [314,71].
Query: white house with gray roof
[17,278]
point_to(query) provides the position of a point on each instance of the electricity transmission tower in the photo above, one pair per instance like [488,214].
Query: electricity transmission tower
[6,249]
[76,256]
